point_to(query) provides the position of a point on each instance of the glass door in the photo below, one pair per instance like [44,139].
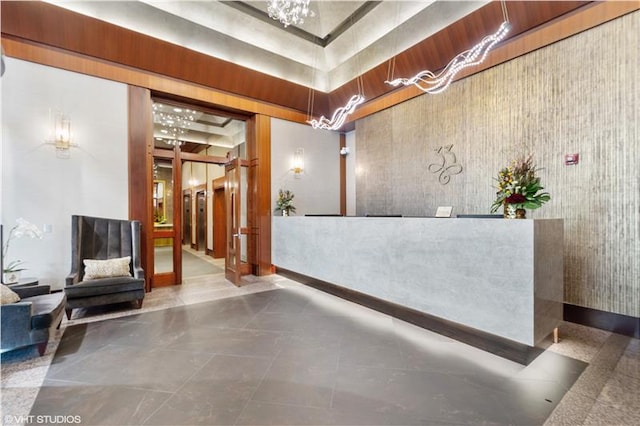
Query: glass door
[164,231]
[236,264]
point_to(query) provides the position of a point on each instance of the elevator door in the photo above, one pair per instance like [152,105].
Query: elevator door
[201,218]
[186,218]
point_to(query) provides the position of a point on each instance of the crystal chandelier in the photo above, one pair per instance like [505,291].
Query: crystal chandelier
[289,11]
[174,124]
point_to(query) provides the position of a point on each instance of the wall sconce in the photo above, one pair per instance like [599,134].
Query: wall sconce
[298,162]
[60,135]
[344,151]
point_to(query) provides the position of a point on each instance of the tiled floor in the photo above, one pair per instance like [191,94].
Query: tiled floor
[276,352]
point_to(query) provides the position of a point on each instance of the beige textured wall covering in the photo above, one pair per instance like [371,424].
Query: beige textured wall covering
[580,95]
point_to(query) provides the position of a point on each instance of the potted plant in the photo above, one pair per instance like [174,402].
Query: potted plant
[11,271]
[284,203]
[519,189]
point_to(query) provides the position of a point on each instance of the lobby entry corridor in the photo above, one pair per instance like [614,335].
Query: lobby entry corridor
[289,355]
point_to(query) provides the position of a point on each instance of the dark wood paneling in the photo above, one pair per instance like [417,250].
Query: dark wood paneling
[95,38]
[436,51]
[259,153]
[497,345]
[54,26]
[141,172]
[588,16]
[621,324]
[343,177]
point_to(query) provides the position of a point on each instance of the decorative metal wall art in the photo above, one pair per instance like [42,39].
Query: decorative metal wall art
[446,166]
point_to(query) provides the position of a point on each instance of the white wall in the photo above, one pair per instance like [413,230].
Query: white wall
[317,190]
[44,189]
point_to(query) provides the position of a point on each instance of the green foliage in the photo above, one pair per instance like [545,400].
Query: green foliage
[285,201]
[519,185]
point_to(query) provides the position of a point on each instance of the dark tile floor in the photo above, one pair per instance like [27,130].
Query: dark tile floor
[289,356]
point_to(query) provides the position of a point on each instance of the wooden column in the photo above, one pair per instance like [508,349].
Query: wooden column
[259,200]
[140,173]
[343,176]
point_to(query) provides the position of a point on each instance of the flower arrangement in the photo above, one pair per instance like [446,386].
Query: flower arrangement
[22,229]
[519,186]
[285,202]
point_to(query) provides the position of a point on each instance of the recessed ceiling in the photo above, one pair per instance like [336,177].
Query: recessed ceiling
[195,130]
[342,41]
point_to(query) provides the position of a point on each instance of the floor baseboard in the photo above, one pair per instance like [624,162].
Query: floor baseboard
[514,351]
[610,321]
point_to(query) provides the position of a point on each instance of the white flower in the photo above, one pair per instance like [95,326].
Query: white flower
[22,229]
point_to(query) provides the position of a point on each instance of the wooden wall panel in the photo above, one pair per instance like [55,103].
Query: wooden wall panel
[580,95]
[259,151]
[57,27]
[91,37]
[436,51]
[141,172]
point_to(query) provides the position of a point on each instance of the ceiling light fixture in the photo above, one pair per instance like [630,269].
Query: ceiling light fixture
[289,12]
[173,124]
[433,83]
[339,116]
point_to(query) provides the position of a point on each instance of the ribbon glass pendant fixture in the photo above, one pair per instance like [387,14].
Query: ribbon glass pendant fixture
[433,83]
[339,116]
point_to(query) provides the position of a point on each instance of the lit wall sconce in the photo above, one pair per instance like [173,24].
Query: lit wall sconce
[298,162]
[60,135]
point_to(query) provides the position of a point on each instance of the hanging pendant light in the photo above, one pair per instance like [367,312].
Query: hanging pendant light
[339,116]
[433,83]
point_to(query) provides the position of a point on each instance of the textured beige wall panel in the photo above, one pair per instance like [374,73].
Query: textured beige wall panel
[580,95]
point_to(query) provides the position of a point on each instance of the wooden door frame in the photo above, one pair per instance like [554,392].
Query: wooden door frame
[141,153]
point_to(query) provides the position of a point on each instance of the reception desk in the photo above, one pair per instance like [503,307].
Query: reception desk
[491,279]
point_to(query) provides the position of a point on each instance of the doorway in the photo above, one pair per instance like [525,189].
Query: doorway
[197,144]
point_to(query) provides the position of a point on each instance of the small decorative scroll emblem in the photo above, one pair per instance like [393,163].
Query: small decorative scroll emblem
[447,165]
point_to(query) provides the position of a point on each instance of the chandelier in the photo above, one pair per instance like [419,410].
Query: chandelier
[173,125]
[289,11]
[433,83]
[339,116]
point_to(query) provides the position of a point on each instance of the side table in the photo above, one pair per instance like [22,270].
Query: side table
[24,282]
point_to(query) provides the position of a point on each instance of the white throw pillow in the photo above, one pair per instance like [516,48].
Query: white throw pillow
[118,267]
[8,296]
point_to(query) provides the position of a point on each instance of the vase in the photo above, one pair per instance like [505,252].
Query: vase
[511,211]
[11,277]
[285,212]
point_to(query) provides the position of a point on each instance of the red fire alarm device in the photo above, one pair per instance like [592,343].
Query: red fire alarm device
[571,159]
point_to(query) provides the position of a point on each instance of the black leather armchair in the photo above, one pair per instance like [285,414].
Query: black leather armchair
[102,239]
[31,320]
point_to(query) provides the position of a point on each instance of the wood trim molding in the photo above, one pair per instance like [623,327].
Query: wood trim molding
[141,172]
[343,176]
[558,29]
[566,25]
[62,59]
[259,153]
